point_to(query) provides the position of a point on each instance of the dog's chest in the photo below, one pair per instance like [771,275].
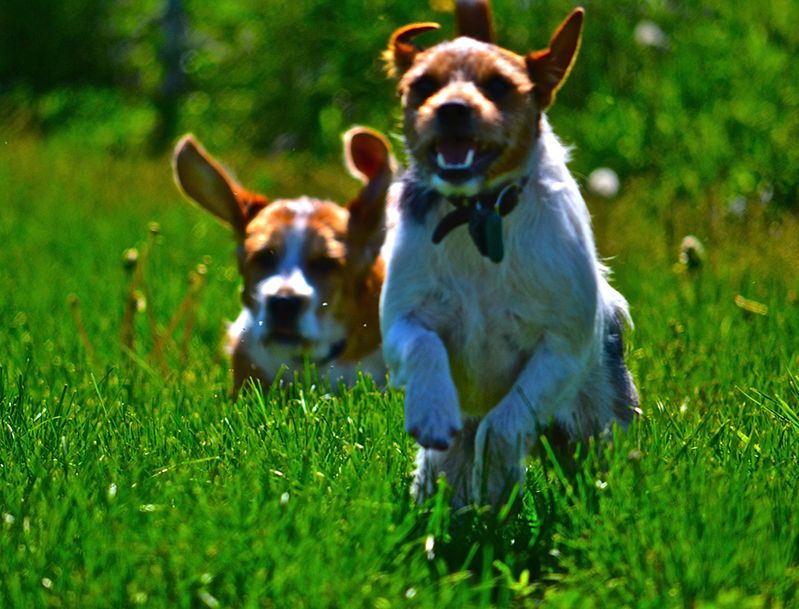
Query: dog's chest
[490,316]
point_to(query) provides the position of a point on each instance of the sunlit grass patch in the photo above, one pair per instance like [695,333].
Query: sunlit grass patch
[124,484]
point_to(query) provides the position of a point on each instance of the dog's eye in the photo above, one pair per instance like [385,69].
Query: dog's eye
[265,260]
[423,87]
[323,264]
[497,87]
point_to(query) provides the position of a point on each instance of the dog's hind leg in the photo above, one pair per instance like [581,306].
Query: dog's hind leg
[608,394]
[625,395]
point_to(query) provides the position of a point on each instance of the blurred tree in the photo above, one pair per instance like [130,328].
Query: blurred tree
[173,83]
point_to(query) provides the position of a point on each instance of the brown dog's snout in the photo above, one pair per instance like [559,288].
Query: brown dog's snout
[454,118]
[285,309]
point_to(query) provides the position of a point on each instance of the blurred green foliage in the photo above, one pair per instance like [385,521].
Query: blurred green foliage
[699,97]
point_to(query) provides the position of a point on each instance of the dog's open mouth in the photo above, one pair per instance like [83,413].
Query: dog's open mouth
[458,159]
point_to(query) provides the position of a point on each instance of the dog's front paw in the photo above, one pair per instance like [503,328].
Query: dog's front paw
[500,450]
[432,414]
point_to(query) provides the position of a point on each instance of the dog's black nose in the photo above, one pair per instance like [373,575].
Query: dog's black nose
[454,117]
[285,309]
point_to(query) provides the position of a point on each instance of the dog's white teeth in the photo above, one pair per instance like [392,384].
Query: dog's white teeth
[469,158]
[467,162]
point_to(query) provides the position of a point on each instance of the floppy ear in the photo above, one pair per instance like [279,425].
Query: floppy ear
[474,19]
[203,180]
[401,51]
[549,67]
[369,159]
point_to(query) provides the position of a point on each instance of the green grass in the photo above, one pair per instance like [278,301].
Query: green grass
[123,487]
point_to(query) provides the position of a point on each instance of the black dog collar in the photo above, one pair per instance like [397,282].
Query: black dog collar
[483,213]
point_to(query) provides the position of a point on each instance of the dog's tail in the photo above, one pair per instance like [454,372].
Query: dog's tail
[474,19]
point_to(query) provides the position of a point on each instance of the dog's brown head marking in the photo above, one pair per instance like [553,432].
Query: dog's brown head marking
[471,107]
[260,224]
[474,21]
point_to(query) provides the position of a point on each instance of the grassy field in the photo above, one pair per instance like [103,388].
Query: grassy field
[131,479]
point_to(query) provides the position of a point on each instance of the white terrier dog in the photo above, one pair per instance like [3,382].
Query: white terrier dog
[507,327]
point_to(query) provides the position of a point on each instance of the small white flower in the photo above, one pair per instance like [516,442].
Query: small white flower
[429,547]
[604,182]
[692,252]
[649,34]
[737,207]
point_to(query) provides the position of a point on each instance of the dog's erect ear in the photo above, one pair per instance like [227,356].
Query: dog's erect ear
[401,51]
[204,180]
[369,159]
[549,67]
[367,153]
[474,19]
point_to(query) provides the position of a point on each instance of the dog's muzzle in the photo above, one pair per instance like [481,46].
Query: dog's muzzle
[283,314]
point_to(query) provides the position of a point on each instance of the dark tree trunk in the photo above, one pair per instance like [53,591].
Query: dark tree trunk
[173,85]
